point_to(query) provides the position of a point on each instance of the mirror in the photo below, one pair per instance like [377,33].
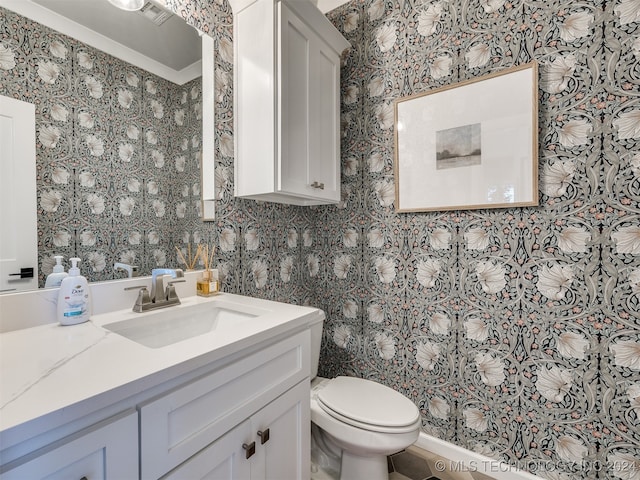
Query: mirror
[119,144]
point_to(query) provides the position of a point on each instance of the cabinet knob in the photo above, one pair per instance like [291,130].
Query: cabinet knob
[264,436]
[318,185]
[249,448]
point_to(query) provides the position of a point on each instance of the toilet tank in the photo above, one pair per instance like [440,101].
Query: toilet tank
[316,340]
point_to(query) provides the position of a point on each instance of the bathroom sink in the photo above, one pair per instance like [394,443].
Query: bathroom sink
[160,328]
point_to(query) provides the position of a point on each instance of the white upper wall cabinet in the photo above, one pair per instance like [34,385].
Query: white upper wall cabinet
[287,102]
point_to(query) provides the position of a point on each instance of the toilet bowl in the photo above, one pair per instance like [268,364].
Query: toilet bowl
[356,423]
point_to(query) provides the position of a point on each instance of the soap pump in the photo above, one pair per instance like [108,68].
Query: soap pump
[74,298]
[55,278]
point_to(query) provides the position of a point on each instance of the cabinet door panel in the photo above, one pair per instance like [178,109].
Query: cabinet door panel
[107,451]
[293,129]
[254,104]
[324,162]
[286,454]
[224,459]
[310,109]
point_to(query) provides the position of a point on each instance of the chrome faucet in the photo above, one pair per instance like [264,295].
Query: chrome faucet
[163,293]
[159,278]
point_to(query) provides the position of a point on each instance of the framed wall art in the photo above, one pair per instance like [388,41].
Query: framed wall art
[469,145]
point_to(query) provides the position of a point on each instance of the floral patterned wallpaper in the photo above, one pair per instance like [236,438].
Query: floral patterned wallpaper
[515,331]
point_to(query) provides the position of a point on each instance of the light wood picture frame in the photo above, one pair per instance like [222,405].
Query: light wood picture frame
[470,145]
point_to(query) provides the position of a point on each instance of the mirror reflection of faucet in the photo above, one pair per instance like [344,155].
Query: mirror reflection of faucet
[132,270]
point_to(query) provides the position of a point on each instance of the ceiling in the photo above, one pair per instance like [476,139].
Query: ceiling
[172,50]
[173,45]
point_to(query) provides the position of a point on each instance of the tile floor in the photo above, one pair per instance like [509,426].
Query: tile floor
[418,464]
[408,465]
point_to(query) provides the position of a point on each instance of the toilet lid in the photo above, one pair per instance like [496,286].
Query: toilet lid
[368,405]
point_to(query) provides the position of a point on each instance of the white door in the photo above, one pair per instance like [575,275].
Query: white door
[18,220]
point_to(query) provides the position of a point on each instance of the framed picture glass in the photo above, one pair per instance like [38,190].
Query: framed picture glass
[470,145]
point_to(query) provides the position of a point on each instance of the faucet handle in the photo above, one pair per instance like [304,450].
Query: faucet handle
[170,291]
[143,297]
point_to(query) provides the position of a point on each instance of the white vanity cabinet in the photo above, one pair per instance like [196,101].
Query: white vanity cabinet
[287,102]
[215,423]
[245,415]
[272,444]
[107,450]
[88,402]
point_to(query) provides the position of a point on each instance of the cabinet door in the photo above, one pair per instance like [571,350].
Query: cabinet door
[175,426]
[324,118]
[224,459]
[107,451]
[286,421]
[276,441]
[295,44]
[308,95]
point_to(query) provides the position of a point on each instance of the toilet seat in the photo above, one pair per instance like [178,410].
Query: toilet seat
[368,405]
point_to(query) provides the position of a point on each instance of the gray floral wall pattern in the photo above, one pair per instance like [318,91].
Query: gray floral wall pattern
[515,331]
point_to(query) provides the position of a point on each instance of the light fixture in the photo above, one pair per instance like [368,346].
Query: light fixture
[128,5]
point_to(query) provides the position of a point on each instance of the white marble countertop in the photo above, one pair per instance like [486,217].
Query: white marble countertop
[50,371]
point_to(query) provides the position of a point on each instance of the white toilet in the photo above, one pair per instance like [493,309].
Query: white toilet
[356,423]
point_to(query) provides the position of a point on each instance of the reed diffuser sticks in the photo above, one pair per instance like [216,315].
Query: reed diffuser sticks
[208,283]
[207,258]
[190,260]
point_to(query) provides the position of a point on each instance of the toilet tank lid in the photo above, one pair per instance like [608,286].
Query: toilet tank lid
[368,402]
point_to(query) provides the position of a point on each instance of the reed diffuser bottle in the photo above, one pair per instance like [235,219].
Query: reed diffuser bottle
[208,283]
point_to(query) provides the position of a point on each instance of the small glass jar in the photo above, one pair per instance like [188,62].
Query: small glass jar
[208,284]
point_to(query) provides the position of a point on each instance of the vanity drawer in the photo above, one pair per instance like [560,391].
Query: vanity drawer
[107,451]
[177,425]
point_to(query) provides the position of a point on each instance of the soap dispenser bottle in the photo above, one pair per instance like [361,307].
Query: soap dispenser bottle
[74,298]
[55,279]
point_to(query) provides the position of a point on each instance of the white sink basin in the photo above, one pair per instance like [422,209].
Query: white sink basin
[160,328]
